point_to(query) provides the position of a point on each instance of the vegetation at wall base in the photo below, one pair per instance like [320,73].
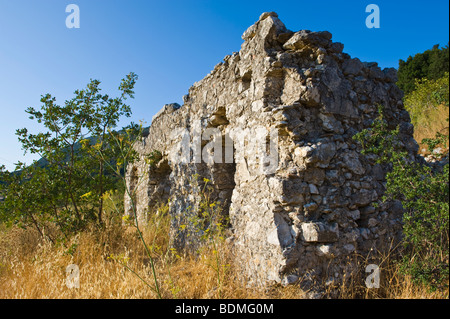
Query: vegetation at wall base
[423,191]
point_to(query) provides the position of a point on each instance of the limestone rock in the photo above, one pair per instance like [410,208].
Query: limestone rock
[305,37]
[318,232]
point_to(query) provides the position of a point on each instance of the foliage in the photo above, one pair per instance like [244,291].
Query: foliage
[127,154]
[26,200]
[209,225]
[428,95]
[439,139]
[208,221]
[154,158]
[424,193]
[431,64]
[69,189]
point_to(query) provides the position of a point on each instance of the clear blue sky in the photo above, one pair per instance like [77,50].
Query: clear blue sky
[172,44]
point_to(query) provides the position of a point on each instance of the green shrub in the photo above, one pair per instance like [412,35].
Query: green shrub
[424,193]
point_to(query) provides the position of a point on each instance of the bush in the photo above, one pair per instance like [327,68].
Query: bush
[424,193]
[431,64]
[68,189]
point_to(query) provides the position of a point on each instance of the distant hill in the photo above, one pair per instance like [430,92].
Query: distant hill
[42,162]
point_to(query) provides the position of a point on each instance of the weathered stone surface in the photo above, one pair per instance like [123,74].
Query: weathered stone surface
[352,163]
[317,232]
[352,66]
[305,37]
[305,210]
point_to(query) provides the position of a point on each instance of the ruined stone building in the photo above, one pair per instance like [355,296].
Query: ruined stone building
[306,212]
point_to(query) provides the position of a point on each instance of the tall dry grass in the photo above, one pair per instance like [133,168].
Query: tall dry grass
[433,120]
[33,267]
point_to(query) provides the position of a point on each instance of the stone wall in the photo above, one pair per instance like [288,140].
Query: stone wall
[313,209]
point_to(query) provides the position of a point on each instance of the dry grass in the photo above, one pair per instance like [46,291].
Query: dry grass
[394,284]
[33,268]
[434,120]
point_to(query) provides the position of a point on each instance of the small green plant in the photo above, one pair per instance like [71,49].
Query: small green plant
[209,224]
[439,140]
[72,249]
[127,155]
[154,158]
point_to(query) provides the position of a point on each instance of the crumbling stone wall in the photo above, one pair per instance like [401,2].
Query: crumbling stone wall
[314,208]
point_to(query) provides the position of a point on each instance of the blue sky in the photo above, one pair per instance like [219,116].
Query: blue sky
[172,44]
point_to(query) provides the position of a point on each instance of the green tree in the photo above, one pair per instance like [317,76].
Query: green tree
[431,64]
[69,188]
[26,201]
